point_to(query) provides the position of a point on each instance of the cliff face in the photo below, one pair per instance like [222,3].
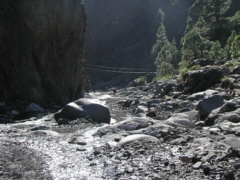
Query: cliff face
[122,33]
[41,54]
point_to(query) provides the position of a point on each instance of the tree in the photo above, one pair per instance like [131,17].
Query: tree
[161,39]
[235,48]
[230,40]
[175,53]
[169,54]
[192,46]
[165,69]
[160,16]
[160,35]
[164,54]
[217,9]
[202,27]
[197,10]
[216,51]
[212,11]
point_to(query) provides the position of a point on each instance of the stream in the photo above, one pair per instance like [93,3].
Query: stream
[49,142]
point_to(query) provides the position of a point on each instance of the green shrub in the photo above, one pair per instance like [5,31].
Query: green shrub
[142,80]
[185,70]
[163,78]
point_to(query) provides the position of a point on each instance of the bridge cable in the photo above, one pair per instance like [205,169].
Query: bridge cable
[126,72]
[105,67]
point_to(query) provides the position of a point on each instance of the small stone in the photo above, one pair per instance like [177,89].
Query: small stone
[81,149]
[206,170]
[197,165]
[185,159]
[129,170]
[199,124]
[141,151]
[92,164]
[235,163]
[117,138]
[15,113]
[166,163]
[77,140]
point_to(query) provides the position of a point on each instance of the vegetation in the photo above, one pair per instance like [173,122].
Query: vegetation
[184,70]
[166,52]
[142,80]
[212,31]
[163,78]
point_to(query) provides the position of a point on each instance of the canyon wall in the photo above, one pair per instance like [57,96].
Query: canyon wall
[122,33]
[41,54]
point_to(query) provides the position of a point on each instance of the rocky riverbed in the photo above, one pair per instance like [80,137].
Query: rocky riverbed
[160,130]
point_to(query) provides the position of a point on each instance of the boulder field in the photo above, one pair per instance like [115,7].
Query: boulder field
[160,130]
[196,121]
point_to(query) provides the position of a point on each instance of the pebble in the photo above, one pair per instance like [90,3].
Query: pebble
[197,165]
[81,149]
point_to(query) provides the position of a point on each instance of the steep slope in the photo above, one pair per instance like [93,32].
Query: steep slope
[41,55]
[122,33]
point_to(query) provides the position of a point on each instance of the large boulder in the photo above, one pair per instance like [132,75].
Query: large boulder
[164,88]
[135,123]
[218,114]
[201,80]
[83,108]
[137,137]
[185,119]
[232,141]
[158,129]
[229,83]
[205,94]
[202,62]
[207,105]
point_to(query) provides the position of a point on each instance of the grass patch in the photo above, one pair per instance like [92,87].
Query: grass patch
[224,78]
[163,78]
[185,70]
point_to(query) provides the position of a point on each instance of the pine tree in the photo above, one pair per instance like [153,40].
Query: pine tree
[197,10]
[165,69]
[217,8]
[161,39]
[168,54]
[175,53]
[192,46]
[216,11]
[160,17]
[161,34]
[212,11]
[202,27]
[216,52]
[227,48]
[164,55]
[235,48]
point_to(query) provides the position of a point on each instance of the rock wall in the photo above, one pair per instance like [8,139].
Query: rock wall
[41,54]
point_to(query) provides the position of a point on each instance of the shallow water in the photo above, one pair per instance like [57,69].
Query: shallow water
[62,158]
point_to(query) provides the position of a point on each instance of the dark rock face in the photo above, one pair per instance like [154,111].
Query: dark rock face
[41,55]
